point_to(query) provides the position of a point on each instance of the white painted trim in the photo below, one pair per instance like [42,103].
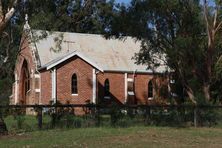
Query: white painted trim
[74,94]
[40,87]
[32,73]
[37,76]
[130,79]
[131,93]
[28,91]
[172,81]
[137,71]
[37,90]
[68,56]
[94,85]
[126,86]
[54,85]
[150,98]
[16,88]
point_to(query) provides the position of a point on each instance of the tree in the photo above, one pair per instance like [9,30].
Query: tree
[213,20]
[86,16]
[7,10]
[186,32]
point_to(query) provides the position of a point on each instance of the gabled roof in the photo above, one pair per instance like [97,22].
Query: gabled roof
[103,54]
[68,56]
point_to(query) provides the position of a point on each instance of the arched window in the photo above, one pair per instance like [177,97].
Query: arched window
[26,76]
[27,80]
[74,84]
[150,89]
[106,89]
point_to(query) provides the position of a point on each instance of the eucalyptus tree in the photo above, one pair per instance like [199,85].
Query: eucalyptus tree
[187,32]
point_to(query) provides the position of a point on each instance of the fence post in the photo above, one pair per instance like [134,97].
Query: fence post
[147,116]
[195,116]
[3,127]
[40,117]
[98,116]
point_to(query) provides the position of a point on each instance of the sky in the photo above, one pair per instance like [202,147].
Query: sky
[123,1]
[128,1]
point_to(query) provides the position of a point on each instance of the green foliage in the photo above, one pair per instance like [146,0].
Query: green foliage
[175,29]
[115,114]
[217,80]
[19,116]
[67,15]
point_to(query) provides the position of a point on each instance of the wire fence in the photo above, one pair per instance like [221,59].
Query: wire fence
[20,118]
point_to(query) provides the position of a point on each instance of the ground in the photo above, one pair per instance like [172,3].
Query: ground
[117,137]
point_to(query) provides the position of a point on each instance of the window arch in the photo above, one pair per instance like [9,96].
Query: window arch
[150,89]
[27,80]
[106,88]
[26,76]
[74,84]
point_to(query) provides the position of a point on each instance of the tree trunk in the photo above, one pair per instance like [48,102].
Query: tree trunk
[190,94]
[206,91]
[5,18]
[3,128]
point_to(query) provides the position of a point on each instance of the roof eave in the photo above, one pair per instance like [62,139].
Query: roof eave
[70,56]
[136,71]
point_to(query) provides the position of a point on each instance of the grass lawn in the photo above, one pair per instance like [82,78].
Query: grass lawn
[117,137]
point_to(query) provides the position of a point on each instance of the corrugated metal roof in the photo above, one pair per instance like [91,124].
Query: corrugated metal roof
[109,54]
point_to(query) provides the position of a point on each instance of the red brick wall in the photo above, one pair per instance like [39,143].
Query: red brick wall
[141,87]
[25,54]
[84,79]
[46,87]
[117,87]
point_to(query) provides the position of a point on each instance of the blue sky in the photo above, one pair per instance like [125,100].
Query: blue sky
[123,1]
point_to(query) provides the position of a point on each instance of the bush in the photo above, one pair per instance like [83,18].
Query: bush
[207,117]
[116,114]
[19,116]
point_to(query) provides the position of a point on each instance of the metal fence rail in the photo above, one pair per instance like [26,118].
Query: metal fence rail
[35,117]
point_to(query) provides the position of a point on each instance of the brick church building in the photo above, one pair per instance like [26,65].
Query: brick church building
[81,68]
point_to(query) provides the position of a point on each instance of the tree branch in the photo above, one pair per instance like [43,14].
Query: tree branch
[215,17]
[207,22]
[219,26]
[1,11]
[4,18]
[5,34]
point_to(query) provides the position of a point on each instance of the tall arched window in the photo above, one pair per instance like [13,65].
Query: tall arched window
[106,89]
[74,84]
[26,76]
[27,80]
[150,89]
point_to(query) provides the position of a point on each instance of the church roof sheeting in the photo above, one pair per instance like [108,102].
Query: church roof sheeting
[107,54]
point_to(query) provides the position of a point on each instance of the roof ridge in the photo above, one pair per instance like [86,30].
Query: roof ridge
[82,33]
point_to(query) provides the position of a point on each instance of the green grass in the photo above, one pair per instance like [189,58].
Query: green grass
[117,137]
[30,123]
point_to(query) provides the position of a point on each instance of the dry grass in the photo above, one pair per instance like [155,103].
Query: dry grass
[118,137]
